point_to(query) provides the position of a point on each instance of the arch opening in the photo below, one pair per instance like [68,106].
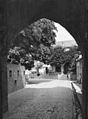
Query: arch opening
[33,38]
[69,15]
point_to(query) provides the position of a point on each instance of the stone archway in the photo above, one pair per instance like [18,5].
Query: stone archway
[16,14]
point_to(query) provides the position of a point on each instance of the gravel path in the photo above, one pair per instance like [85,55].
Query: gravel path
[48,100]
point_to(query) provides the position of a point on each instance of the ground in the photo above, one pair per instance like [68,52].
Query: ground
[44,100]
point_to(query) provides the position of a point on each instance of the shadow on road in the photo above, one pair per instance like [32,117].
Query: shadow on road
[37,81]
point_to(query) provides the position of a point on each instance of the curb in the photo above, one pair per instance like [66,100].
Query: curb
[77,103]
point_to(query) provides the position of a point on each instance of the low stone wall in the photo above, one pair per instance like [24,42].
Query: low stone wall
[16,77]
[77,104]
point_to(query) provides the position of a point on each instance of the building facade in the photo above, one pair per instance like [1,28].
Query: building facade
[16,77]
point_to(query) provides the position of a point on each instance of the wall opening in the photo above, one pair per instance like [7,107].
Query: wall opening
[46,44]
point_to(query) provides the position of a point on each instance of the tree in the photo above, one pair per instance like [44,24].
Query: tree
[60,56]
[43,54]
[40,32]
[38,65]
[19,56]
[36,40]
[57,56]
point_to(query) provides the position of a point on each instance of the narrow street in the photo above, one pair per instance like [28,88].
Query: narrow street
[45,100]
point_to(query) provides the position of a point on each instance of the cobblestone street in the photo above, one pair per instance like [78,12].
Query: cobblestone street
[46,100]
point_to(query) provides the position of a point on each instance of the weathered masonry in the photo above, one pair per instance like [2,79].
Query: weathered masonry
[16,77]
[17,14]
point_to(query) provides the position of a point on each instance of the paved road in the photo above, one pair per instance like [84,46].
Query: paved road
[46,100]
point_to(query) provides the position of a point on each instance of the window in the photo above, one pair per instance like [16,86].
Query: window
[18,73]
[10,73]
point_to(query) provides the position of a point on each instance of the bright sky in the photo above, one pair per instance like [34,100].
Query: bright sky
[62,34]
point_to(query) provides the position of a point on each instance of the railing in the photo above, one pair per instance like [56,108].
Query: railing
[78,107]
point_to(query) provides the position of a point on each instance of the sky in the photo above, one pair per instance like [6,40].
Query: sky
[63,34]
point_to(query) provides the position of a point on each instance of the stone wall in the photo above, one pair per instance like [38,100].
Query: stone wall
[16,77]
[79,71]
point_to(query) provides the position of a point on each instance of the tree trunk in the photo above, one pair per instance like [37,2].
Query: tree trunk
[62,68]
